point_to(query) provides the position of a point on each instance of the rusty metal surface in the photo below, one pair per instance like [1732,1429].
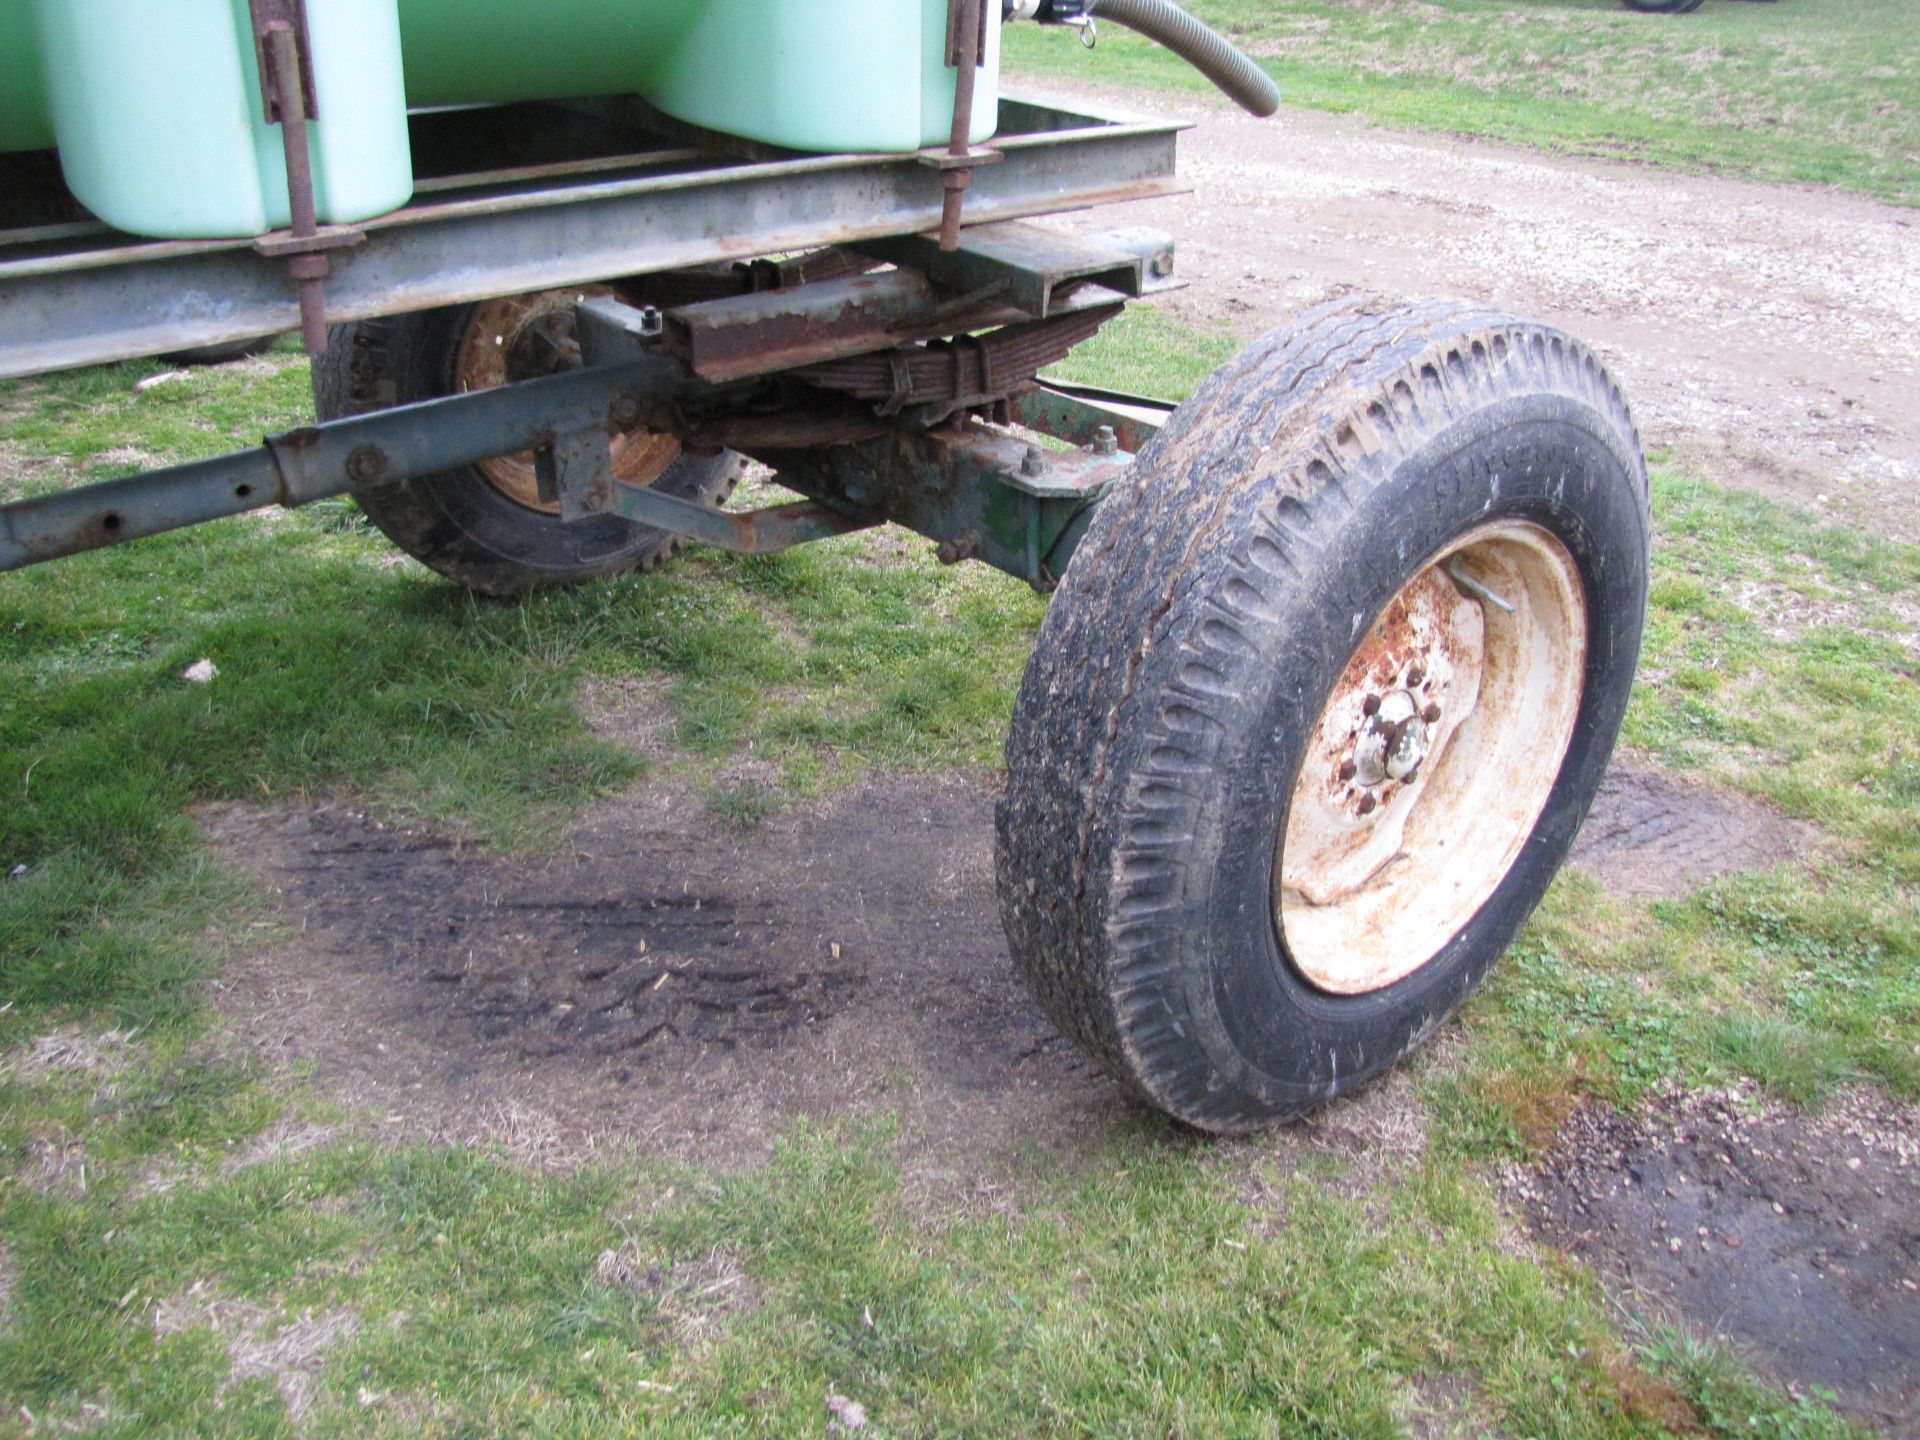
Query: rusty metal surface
[316,461]
[966,47]
[103,297]
[520,337]
[746,335]
[1076,414]
[1031,264]
[287,94]
[1433,758]
[930,381]
[779,329]
[286,77]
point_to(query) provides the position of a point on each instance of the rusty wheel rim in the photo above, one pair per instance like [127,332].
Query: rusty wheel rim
[522,337]
[1433,759]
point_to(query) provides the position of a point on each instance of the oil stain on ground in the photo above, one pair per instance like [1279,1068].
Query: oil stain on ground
[1796,1236]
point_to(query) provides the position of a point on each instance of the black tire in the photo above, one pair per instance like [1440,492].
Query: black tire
[1159,732]
[459,523]
[1663,7]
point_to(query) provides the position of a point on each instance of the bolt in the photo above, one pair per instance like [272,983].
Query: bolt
[1034,462]
[1370,706]
[1416,675]
[366,464]
[1348,769]
[1161,265]
[1105,442]
[626,412]
[652,322]
[1431,714]
[1367,802]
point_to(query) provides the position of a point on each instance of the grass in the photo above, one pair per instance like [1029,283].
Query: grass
[1145,1296]
[171,1265]
[1812,90]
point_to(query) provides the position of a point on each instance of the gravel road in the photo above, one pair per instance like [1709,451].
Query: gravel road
[1768,335]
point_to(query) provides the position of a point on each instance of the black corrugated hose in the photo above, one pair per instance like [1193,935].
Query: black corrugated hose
[1209,52]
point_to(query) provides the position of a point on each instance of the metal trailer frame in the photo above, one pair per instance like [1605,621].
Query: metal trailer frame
[891,374]
[623,193]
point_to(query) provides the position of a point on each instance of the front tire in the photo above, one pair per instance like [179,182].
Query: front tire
[1222,884]
[485,525]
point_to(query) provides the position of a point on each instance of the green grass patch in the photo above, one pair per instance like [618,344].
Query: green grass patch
[413,1290]
[1821,90]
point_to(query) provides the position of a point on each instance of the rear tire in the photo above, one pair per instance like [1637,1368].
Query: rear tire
[1193,668]
[483,526]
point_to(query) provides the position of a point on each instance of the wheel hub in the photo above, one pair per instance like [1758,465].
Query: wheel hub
[1394,741]
[523,337]
[1432,759]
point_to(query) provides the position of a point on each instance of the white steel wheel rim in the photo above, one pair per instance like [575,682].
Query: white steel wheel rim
[1433,759]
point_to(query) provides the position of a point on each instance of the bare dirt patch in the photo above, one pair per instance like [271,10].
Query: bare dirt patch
[661,980]
[665,981]
[1769,333]
[1655,835]
[1795,1236]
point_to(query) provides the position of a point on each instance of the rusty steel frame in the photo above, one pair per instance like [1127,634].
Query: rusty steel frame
[74,296]
[980,491]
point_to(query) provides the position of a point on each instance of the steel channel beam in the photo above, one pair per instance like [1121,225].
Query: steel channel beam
[115,302]
[1077,413]
[317,461]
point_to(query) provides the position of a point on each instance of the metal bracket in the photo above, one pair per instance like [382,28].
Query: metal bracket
[576,469]
[1035,265]
[286,84]
[270,16]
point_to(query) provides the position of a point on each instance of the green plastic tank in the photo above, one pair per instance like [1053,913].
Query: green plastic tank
[155,104]
[831,75]
[157,113]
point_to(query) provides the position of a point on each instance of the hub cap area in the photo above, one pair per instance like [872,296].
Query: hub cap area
[1433,759]
[522,337]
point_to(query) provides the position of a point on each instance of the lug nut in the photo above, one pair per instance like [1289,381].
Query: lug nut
[1415,676]
[1370,706]
[1348,769]
[1367,802]
[1431,714]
